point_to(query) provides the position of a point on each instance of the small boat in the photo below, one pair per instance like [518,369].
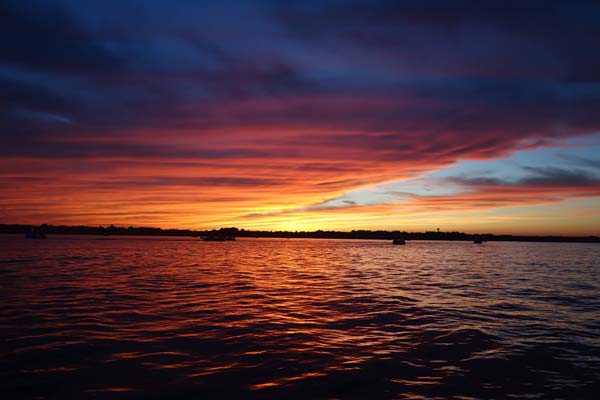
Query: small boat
[478,240]
[218,239]
[398,242]
[213,239]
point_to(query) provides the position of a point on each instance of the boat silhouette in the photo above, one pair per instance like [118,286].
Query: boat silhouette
[218,238]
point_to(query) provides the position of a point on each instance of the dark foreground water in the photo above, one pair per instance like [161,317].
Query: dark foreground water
[147,318]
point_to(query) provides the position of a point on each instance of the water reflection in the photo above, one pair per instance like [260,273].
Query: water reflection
[298,318]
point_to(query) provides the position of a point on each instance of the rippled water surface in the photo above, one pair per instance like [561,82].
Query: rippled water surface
[268,318]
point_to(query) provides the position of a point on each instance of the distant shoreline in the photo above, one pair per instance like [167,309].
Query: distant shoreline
[319,234]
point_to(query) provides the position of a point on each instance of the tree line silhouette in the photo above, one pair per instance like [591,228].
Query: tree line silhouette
[319,234]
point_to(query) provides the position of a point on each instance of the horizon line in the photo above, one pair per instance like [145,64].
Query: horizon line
[201,230]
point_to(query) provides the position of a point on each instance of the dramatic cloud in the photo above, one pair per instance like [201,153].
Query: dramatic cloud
[179,113]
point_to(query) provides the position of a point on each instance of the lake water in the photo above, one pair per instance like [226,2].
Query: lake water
[270,318]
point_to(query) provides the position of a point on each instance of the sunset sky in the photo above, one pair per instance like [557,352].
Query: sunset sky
[459,115]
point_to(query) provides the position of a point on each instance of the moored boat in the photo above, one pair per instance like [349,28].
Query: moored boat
[218,238]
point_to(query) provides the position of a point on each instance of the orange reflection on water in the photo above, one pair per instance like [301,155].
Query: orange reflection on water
[261,317]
